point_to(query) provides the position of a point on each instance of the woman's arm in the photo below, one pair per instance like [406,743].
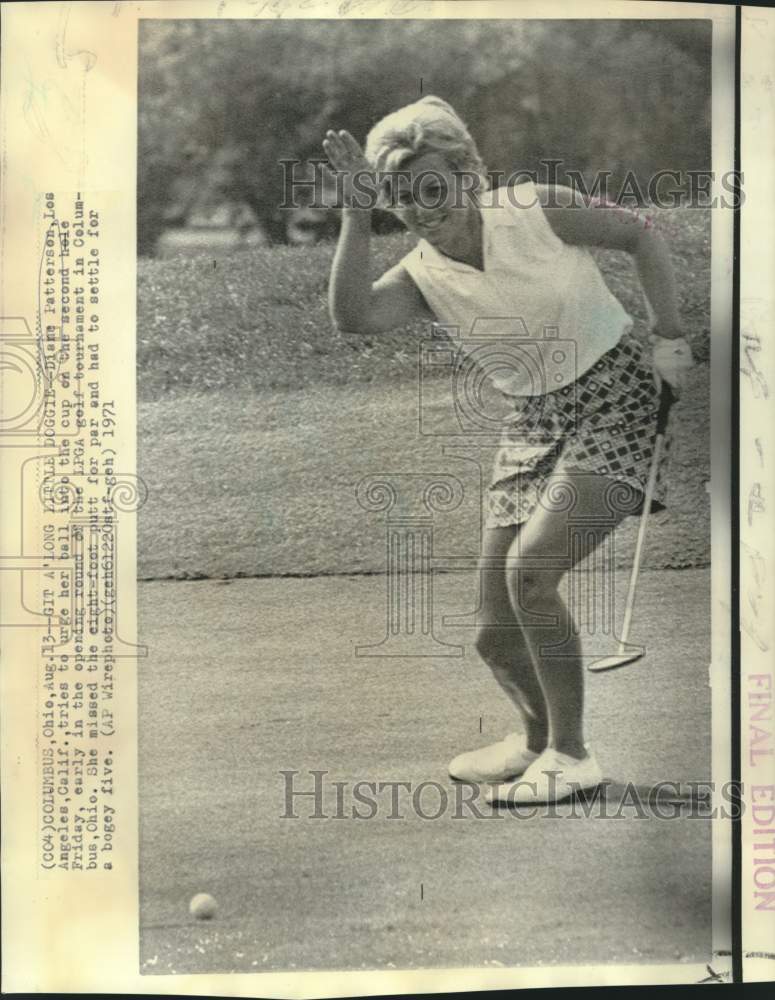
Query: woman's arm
[355,303]
[607,226]
[349,287]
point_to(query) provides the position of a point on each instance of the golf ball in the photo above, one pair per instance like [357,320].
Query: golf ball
[202,906]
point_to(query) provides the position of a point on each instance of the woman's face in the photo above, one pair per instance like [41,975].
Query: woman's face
[429,201]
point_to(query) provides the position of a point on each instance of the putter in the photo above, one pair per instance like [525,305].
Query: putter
[629,654]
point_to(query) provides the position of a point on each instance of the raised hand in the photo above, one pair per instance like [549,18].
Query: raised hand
[347,160]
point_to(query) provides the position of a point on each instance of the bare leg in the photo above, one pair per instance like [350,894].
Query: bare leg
[501,643]
[533,591]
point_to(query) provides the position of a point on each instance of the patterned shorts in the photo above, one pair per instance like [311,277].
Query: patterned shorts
[604,422]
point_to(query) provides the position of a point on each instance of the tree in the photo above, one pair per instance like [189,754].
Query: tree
[617,95]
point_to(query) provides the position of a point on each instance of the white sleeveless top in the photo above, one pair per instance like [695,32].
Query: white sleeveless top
[539,315]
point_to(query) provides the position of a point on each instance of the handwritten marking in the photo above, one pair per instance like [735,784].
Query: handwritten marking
[752,344]
[714,977]
[756,502]
[279,7]
[62,55]
[34,100]
[755,595]
[346,6]
[750,630]
[747,626]
[399,7]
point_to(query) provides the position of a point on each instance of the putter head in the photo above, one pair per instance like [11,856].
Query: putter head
[617,660]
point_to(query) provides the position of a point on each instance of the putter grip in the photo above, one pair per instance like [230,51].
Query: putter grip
[666,399]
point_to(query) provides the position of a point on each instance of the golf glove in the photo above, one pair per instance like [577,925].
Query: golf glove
[672,359]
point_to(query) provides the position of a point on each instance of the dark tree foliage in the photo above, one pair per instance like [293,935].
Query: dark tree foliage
[222,102]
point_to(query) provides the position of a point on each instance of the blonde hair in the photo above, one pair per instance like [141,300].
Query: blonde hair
[429,125]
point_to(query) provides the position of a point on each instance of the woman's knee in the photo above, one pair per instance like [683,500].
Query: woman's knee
[530,587]
[491,643]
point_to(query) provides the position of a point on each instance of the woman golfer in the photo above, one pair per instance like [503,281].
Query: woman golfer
[520,252]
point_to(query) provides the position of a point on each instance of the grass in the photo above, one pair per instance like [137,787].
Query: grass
[257,319]
[257,420]
[264,484]
[253,677]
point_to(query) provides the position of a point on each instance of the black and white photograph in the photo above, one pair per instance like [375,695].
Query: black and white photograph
[424,403]
[386,560]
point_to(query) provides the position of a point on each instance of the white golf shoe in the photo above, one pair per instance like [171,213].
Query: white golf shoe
[506,759]
[552,777]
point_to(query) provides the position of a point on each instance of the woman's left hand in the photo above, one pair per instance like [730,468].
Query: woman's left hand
[672,359]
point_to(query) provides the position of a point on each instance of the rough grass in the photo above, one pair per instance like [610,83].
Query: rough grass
[256,420]
[257,319]
[265,485]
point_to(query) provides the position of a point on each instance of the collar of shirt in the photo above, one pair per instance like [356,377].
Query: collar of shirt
[494,214]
